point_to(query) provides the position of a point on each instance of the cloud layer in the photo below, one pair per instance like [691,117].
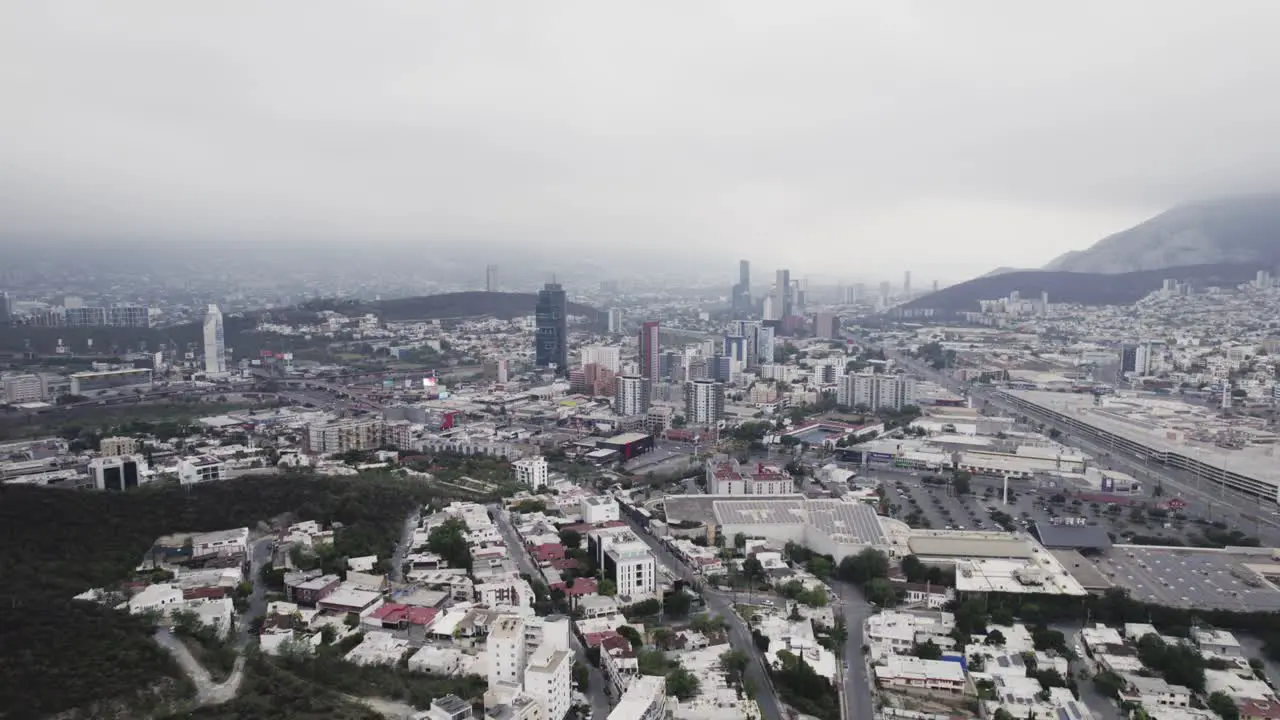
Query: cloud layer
[841,137]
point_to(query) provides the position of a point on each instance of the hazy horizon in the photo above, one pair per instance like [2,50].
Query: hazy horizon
[838,139]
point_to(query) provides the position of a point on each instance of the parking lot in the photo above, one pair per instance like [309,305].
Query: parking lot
[1191,578]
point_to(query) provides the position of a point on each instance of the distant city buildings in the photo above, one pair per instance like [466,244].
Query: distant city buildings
[215,347]
[783,297]
[740,297]
[615,321]
[650,350]
[551,320]
[631,395]
[491,278]
[826,325]
[344,435]
[876,391]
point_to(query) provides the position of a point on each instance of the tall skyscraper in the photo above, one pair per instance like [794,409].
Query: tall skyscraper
[615,320]
[703,402]
[215,344]
[491,278]
[782,290]
[741,298]
[906,284]
[6,308]
[551,331]
[650,352]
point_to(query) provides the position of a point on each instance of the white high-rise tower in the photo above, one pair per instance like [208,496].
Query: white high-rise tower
[215,345]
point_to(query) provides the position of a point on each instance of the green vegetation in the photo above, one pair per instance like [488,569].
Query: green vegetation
[213,652]
[680,682]
[327,669]
[87,424]
[449,541]
[268,692]
[61,543]
[803,689]
[796,590]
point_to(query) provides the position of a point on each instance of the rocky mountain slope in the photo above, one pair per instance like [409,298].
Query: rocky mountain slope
[1243,229]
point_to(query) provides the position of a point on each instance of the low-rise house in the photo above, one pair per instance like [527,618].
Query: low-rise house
[1153,692]
[159,597]
[349,598]
[397,616]
[310,591]
[222,542]
[906,672]
[378,648]
[1217,642]
[1253,709]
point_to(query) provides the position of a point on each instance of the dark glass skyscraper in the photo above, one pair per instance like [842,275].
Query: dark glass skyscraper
[741,293]
[552,328]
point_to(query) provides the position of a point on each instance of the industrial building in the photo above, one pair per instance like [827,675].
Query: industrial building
[1232,453]
[83,383]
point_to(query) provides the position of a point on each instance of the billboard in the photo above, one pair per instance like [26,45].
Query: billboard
[429,382]
[879,457]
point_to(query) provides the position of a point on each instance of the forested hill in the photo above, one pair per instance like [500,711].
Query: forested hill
[54,544]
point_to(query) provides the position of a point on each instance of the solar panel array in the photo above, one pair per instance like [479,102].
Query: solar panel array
[835,517]
[755,512]
[855,522]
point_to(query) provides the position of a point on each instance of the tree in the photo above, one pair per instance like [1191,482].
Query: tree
[866,565]
[880,592]
[960,482]
[632,635]
[607,588]
[914,569]
[449,541]
[1222,704]
[995,638]
[1002,714]
[682,683]
[677,604]
[740,542]
[733,663]
[752,570]
[581,677]
[571,539]
[928,650]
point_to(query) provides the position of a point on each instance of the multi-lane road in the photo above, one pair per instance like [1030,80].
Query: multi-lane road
[1216,503]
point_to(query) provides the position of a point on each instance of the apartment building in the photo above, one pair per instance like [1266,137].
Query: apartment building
[631,395]
[645,699]
[704,402]
[726,476]
[598,509]
[627,560]
[507,652]
[117,446]
[912,673]
[344,435]
[532,472]
[548,680]
[876,391]
[201,469]
[24,389]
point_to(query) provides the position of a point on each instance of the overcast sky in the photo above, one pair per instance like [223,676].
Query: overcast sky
[837,137]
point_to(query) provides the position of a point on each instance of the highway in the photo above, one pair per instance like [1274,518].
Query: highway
[1216,503]
[721,604]
[596,694]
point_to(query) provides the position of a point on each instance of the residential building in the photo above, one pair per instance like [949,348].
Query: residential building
[532,472]
[450,707]
[826,325]
[704,402]
[551,321]
[728,477]
[876,391]
[606,356]
[23,389]
[548,680]
[1217,642]
[598,509]
[309,591]
[507,652]
[491,278]
[782,291]
[627,560]
[912,673]
[200,469]
[215,345]
[497,370]
[615,320]
[86,316]
[116,446]
[220,542]
[650,351]
[644,699]
[120,472]
[340,436]
[631,395]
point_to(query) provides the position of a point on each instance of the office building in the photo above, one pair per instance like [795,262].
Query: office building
[597,509]
[906,284]
[740,298]
[83,383]
[826,325]
[497,370]
[626,559]
[935,286]
[23,389]
[703,402]
[339,436]
[650,351]
[215,344]
[631,395]
[1144,359]
[615,320]
[201,469]
[726,476]
[604,356]
[86,316]
[134,316]
[491,278]
[782,291]
[121,472]
[532,472]
[876,391]
[6,308]
[552,329]
[886,291]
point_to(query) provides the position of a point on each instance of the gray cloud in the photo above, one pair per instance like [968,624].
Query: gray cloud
[838,136]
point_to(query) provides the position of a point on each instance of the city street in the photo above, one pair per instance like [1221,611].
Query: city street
[259,555]
[856,693]
[595,691]
[721,604]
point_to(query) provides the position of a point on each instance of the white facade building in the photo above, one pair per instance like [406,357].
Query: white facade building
[24,389]
[609,358]
[215,344]
[631,395]
[548,680]
[728,477]
[507,652]
[876,391]
[703,402]
[635,572]
[201,469]
[645,699]
[532,472]
[598,509]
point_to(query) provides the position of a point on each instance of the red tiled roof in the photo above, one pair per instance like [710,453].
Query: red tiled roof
[547,552]
[1252,708]
[614,642]
[595,639]
[396,613]
[581,587]
[204,593]
[564,564]
[610,524]
[579,528]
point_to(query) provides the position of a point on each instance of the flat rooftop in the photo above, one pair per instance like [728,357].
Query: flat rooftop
[1168,426]
[851,522]
[1194,577]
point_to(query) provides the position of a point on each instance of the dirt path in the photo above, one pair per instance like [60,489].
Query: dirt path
[389,708]
[207,691]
